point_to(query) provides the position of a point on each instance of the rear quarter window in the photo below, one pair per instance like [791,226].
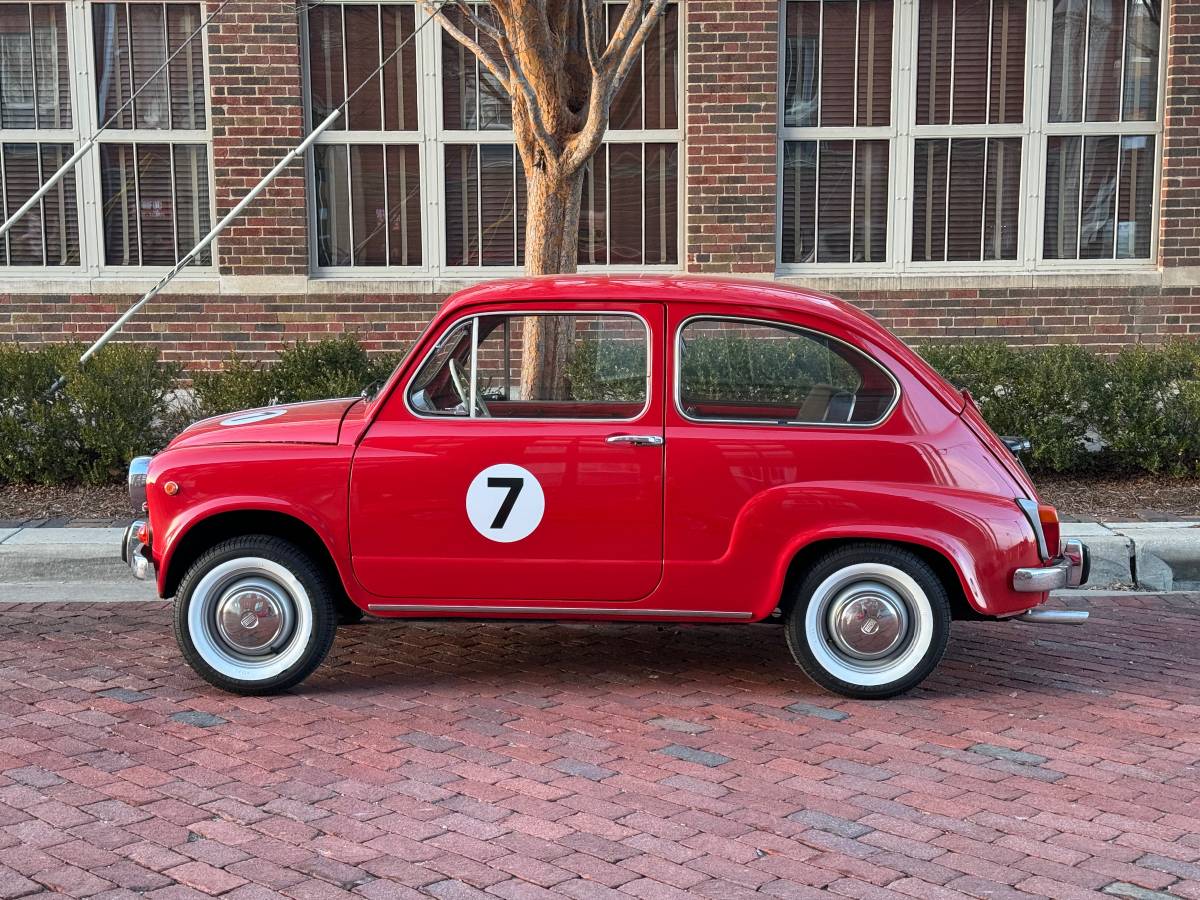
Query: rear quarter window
[749,370]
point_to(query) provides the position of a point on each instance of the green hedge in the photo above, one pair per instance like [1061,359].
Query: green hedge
[118,406]
[1137,411]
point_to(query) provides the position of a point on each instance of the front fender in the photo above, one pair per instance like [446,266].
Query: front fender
[983,537]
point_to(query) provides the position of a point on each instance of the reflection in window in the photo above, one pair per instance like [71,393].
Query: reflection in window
[47,235]
[966,194]
[34,69]
[1104,61]
[835,201]
[368,204]
[132,40]
[1099,196]
[155,202]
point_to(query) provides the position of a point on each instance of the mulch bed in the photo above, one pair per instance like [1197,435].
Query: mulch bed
[1145,497]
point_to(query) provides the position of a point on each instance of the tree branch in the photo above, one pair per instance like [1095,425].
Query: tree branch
[629,57]
[470,43]
[548,142]
[590,9]
[624,33]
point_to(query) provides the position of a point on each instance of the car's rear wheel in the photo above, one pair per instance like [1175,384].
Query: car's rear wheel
[254,615]
[869,621]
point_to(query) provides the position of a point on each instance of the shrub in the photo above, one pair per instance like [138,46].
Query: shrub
[1150,411]
[306,370]
[112,409]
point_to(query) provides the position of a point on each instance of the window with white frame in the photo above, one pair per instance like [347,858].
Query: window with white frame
[1003,133]
[146,185]
[423,175]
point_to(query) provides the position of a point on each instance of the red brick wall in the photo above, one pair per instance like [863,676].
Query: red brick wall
[732,60]
[1179,241]
[255,82]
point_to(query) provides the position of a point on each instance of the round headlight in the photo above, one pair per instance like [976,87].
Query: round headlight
[138,469]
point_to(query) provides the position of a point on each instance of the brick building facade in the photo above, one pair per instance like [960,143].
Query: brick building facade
[1011,186]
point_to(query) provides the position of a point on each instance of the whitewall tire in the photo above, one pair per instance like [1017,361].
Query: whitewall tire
[869,621]
[254,615]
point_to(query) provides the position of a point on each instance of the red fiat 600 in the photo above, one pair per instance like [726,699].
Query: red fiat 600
[615,449]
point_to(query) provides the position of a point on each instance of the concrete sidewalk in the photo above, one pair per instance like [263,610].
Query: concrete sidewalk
[84,564]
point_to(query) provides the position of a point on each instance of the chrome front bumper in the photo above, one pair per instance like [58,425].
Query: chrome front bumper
[136,554]
[1068,571]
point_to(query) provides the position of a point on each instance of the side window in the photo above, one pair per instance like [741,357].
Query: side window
[545,366]
[733,369]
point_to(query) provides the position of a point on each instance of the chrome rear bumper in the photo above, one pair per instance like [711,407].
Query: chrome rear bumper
[1068,571]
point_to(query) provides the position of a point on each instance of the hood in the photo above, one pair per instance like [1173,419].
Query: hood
[317,422]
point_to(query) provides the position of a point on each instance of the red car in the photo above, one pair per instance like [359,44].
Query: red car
[616,449]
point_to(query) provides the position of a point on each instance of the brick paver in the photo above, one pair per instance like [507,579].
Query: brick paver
[531,760]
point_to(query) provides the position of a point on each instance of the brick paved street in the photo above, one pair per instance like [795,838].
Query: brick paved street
[464,760]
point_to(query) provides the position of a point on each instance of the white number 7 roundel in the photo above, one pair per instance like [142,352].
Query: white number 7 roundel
[505,503]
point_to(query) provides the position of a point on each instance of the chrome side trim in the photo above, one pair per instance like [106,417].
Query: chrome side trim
[677,375]
[139,468]
[555,611]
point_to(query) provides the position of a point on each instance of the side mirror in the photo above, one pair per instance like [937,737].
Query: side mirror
[1017,445]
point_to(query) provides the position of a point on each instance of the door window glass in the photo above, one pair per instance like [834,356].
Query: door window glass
[732,369]
[544,366]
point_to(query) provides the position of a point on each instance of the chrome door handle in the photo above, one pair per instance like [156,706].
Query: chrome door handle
[637,440]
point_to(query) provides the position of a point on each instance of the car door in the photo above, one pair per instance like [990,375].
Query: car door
[490,476]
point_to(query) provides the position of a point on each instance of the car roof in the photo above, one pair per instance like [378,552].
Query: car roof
[718,291]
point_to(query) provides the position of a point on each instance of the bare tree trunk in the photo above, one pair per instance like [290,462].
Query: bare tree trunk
[551,247]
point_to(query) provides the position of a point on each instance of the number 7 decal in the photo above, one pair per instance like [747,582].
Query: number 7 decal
[505,503]
[513,486]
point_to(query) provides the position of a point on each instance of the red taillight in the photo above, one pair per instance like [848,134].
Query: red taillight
[1048,516]
[143,534]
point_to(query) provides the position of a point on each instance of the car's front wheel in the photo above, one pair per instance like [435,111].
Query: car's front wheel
[869,621]
[255,615]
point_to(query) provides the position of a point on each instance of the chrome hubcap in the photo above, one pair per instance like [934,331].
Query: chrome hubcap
[254,617]
[868,621]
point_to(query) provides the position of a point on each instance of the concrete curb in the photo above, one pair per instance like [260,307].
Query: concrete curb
[84,563]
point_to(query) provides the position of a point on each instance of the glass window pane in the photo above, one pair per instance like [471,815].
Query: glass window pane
[593,211]
[834,187]
[118,185]
[110,35]
[471,97]
[971,29]
[399,75]
[1061,229]
[333,204]
[1098,216]
[368,204]
[741,370]
[462,205]
[799,201]
[1002,198]
[930,168]
[661,205]
[404,205]
[364,112]
[874,62]
[596,368]
[21,178]
[59,209]
[1140,103]
[1136,197]
[50,60]
[326,73]
[148,30]
[1106,29]
[626,109]
[802,63]
[661,58]
[965,206]
[870,201]
[434,391]
[16,67]
[1067,60]
[1007,103]
[837,62]
[186,69]
[156,209]
[192,211]
[500,218]
[935,28]
[625,169]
